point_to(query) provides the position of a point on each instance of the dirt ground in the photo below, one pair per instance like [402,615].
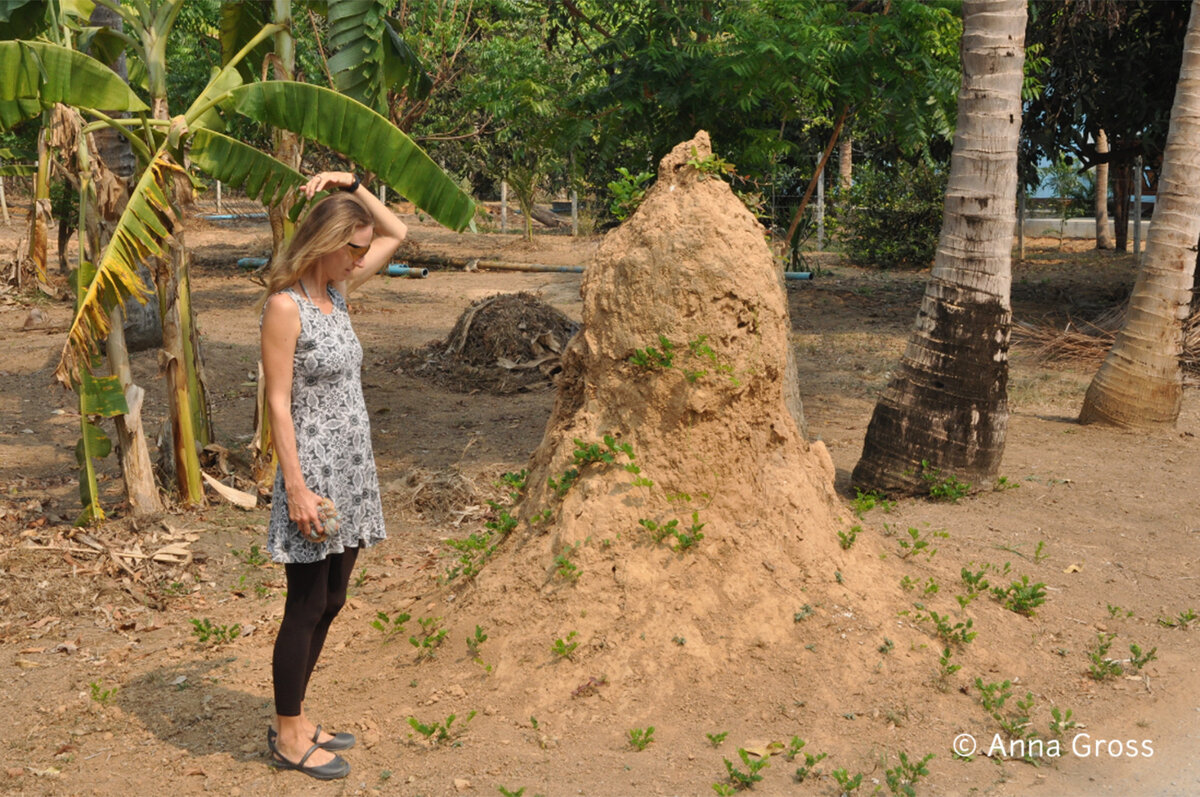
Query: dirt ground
[118,673]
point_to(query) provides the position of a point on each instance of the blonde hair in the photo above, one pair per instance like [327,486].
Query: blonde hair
[328,225]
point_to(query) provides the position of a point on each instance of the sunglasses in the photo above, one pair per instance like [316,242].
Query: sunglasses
[357,247]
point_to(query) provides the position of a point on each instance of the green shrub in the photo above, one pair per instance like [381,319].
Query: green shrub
[897,215]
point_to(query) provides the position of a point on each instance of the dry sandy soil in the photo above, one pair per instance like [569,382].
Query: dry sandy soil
[107,688]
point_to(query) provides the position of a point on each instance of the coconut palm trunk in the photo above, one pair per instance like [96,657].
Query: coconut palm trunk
[946,409]
[1141,381]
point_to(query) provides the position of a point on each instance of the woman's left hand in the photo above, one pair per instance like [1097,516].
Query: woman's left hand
[327,181]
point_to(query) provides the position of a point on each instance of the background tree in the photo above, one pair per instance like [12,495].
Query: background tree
[1109,65]
[1141,381]
[946,410]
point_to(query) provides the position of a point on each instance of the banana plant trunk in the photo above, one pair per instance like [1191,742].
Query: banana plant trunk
[946,410]
[1141,381]
[137,468]
[39,210]
[173,364]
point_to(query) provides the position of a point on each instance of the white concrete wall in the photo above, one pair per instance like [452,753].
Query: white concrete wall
[1074,228]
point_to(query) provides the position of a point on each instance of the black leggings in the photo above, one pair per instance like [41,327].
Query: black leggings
[316,593]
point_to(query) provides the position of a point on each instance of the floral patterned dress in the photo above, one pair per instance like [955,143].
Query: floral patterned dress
[333,437]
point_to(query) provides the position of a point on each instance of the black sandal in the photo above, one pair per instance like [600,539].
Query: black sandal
[331,770]
[339,742]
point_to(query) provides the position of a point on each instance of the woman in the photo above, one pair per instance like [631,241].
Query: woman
[311,363]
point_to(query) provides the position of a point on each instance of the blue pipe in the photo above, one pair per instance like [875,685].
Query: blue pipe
[229,216]
[797,275]
[401,270]
[248,263]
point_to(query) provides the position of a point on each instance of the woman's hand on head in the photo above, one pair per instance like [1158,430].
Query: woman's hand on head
[327,181]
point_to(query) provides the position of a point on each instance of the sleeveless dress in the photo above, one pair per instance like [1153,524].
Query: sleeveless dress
[333,437]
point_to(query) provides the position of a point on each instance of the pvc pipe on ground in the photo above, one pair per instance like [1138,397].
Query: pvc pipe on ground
[797,275]
[230,216]
[498,265]
[401,270]
[248,263]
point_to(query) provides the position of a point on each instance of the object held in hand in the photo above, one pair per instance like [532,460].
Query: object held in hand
[328,514]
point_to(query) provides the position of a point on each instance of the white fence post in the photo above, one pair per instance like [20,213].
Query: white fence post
[504,206]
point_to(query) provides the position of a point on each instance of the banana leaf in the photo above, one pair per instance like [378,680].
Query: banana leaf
[141,234]
[35,75]
[371,141]
[239,165]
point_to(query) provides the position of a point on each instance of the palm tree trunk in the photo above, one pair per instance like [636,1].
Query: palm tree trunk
[1103,239]
[1141,382]
[946,410]
[1122,188]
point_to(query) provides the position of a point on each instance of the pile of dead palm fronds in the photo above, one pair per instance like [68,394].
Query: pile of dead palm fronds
[1082,341]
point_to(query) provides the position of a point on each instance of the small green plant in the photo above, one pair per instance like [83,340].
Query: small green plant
[715,739]
[686,539]
[1183,620]
[946,668]
[847,784]
[943,488]
[723,789]
[865,502]
[390,626]
[994,696]
[473,551]
[503,523]
[794,747]
[887,646]
[1117,612]
[1004,483]
[515,483]
[902,778]
[678,640]
[659,531]
[809,770]
[360,579]
[564,568]
[931,588]
[563,484]
[627,191]
[545,516]
[1139,659]
[959,633]
[710,165]
[253,557]
[838,577]
[385,775]
[805,611]
[907,583]
[652,359]
[1021,596]
[745,779]
[475,641]
[919,543]
[509,792]
[207,633]
[100,694]
[846,538]
[563,648]
[438,732]
[1061,722]
[640,738]
[431,637]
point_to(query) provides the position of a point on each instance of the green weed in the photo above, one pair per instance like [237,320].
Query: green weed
[438,732]
[563,648]
[431,637]
[902,778]
[865,502]
[846,538]
[845,782]
[475,642]
[745,779]
[253,557]
[1061,722]
[1021,596]
[943,488]
[390,626]
[1183,620]
[640,738]
[652,359]
[918,542]
[715,739]
[208,634]
[100,694]
[1139,659]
